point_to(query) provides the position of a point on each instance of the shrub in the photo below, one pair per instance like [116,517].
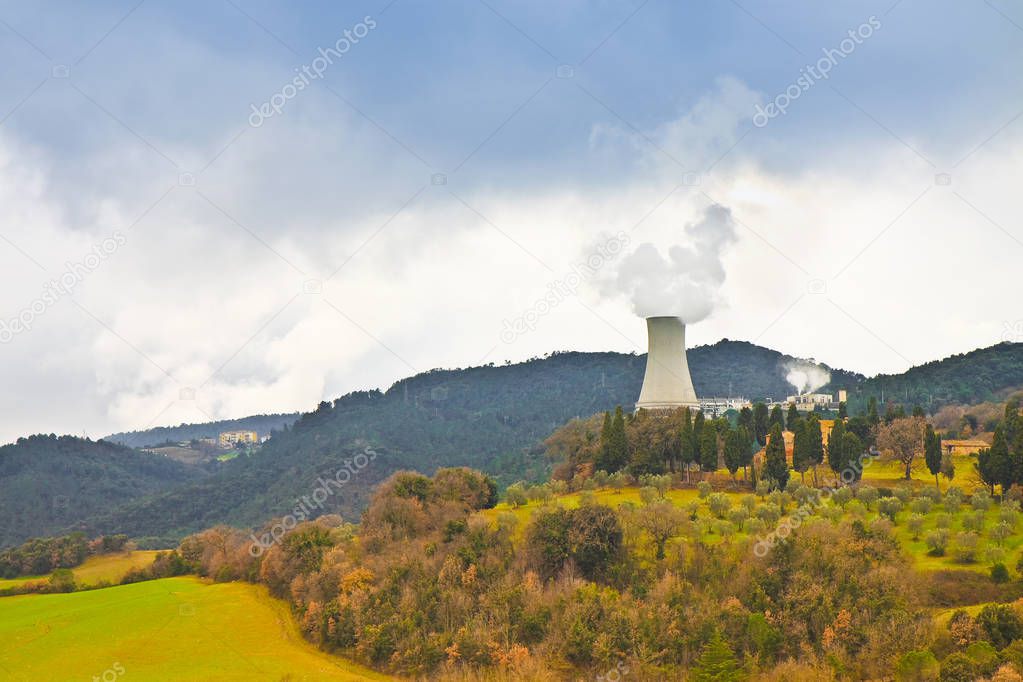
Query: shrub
[942,520]
[755,526]
[958,667]
[719,504]
[917,666]
[929,493]
[704,489]
[867,495]
[763,487]
[748,502]
[903,494]
[1008,515]
[889,507]
[768,513]
[1001,532]
[965,548]
[920,505]
[937,541]
[738,517]
[981,500]
[999,573]
[915,524]
[973,520]
[953,500]
[842,496]
[1001,624]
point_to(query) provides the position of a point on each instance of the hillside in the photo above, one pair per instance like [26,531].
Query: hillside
[965,379]
[491,418]
[261,423]
[49,483]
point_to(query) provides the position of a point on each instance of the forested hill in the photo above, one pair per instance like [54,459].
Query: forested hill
[48,483]
[261,423]
[966,378]
[491,418]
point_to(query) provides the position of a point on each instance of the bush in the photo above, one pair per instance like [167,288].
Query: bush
[889,507]
[973,520]
[917,666]
[920,505]
[953,500]
[1001,624]
[915,524]
[768,513]
[719,504]
[937,541]
[981,500]
[965,548]
[738,517]
[903,494]
[763,487]
[704,488]
[942,520]
[867,495]
[999,573]
[958,667]
[755,526]
[842,496]
[1001,532]
[929,493]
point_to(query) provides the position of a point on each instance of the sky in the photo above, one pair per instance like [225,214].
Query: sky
[222,208]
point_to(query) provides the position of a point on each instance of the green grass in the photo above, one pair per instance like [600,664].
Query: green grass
[171,629]
[108,568]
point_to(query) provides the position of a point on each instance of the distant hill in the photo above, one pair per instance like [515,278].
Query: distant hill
[261,423]
[964,379]
[48,483]
[492,418]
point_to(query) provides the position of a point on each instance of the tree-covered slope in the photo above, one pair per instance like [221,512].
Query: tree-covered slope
[48,484]
[966,378]
[261,423]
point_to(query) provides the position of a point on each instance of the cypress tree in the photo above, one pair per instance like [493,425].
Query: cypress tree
[686,452]
[800,449]
[776,418]
[932,454]
[792,418]
[836,453]
[843,411]
[709,448]
[760,423]
[734,456]
[776,467]
[618,445]
[815,443]
[872,416]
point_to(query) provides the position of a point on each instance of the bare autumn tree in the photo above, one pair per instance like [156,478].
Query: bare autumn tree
[902,440]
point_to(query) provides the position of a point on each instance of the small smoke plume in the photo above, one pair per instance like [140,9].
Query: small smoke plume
[806,377]
[684,284]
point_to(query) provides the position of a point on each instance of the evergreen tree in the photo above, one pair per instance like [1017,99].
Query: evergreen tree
[872,417]
[709,448]
[686,452]
[800,449]
[994,464]
[604,454]
[815,443]
[746,419]
[792,418]
[746,442]
[932,454]
[734,455]
[852,448]
[698,424]
[618,444]
[777,417]
[717,662]
[776,467]
[918,411]
[760,423]
[843,411]
[836,453]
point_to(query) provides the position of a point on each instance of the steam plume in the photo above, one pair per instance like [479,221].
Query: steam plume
[806,376]
[684,284]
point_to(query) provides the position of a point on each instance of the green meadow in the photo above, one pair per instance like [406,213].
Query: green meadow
[169,629]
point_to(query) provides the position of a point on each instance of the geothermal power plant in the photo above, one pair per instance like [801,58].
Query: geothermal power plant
[667,384]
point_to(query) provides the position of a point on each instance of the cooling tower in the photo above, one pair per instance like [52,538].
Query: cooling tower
[666,384]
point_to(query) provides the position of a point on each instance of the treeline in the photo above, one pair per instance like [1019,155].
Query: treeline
[1002,463]
[429,587]
[39,556]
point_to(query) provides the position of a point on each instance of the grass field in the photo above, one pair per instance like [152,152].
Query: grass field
[108,568]
[170,629]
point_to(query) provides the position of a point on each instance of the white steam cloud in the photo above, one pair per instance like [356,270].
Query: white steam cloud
[684,284]
[806,377]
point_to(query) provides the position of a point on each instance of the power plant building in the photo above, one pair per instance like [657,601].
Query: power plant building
[667,384]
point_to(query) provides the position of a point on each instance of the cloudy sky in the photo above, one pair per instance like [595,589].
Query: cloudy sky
[171,253]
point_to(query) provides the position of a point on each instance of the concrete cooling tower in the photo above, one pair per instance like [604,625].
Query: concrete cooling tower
[666,384]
